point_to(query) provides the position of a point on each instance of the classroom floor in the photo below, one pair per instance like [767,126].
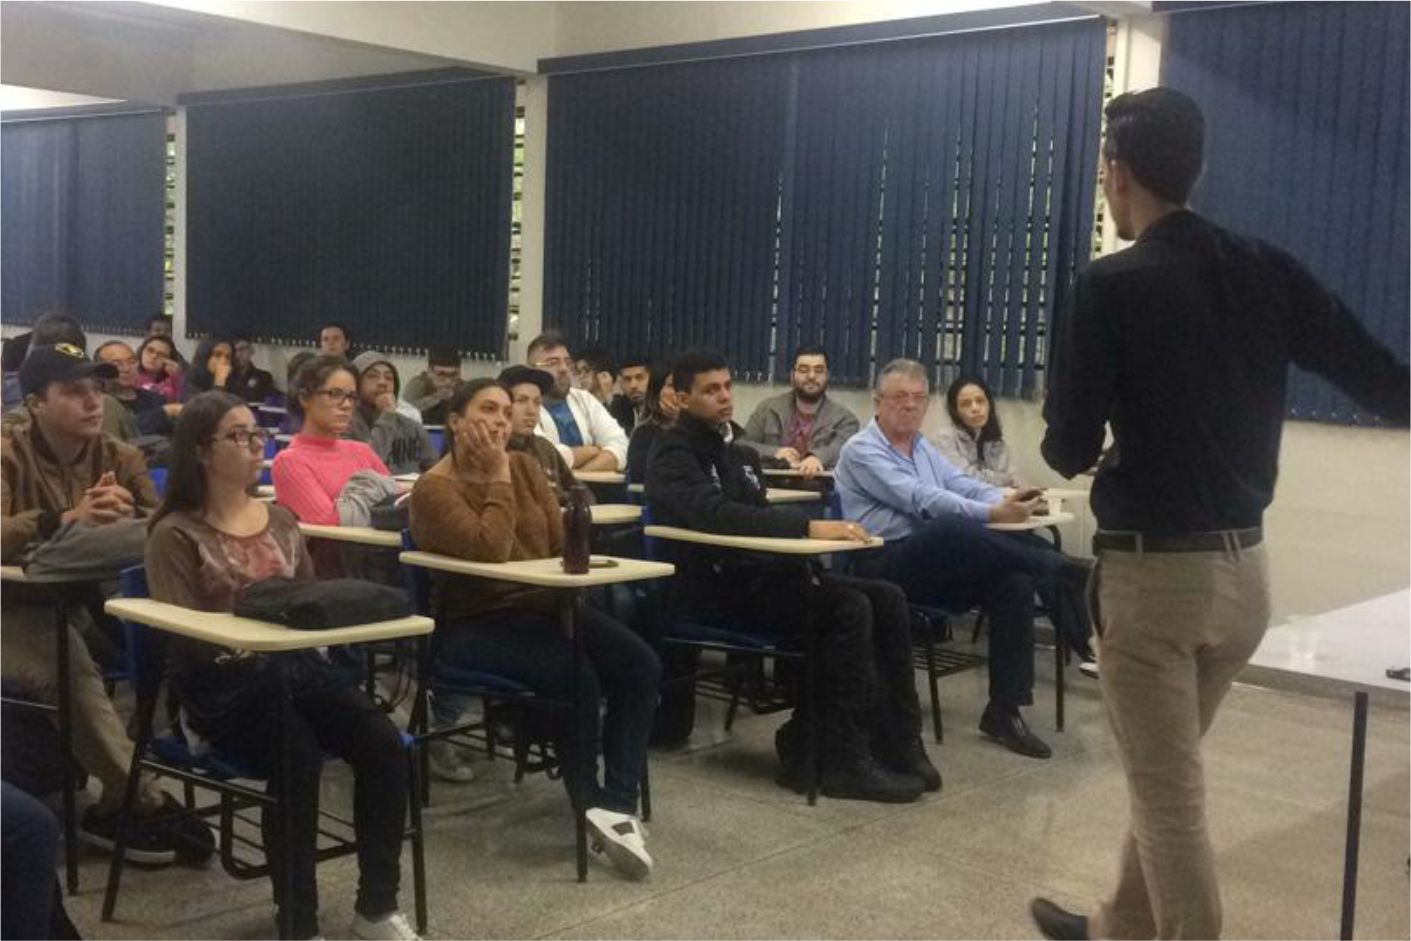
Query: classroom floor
[737,857]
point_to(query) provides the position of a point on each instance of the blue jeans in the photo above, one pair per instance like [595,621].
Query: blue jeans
[618,666]
[956,564]
[31,846]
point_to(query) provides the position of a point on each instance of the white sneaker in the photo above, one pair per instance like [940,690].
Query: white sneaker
[621,837]
[448,763]
[1088,668]
[394,927]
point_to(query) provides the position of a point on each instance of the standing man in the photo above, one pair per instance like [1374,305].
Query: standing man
[334,340]
[802,427]
[429,392]
[1188,316]
[573,419]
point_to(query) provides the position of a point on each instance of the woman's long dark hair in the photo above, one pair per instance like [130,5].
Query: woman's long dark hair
[992,430]
[186,477]
[171,347]
[201,378]
[655,385]
[465,392]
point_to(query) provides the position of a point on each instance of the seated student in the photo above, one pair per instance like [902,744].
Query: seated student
[586,434]
[630,406]
[247,380]
[335,340]
[869,719]
[310,474]
[147,408]
[802,427]
[158,369]
[51,329]
[484,503]
[399,440]
[59,467]
[595,372]
[160,325]
[211,539]
[429,392]
[211,366]
[527,387]
[973,442]
[660,414]
[939,549]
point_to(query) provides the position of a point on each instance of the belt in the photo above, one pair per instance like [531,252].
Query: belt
[1178,542]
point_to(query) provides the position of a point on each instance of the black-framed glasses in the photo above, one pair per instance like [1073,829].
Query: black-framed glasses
[338,396]
[245,438]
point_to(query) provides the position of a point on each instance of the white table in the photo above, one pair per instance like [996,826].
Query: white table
[549,573]
[362,535]
[782,495]
[615,514]
[1034,522]
[600,477]
[1353,647]
[790,472]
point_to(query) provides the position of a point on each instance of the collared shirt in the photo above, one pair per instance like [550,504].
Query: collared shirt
[593,422]
[892,494]
[1183,343]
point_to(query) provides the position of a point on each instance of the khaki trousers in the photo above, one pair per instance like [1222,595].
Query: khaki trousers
[29,655]
[1176,629]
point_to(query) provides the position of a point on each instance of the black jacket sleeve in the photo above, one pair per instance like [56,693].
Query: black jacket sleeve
[683,494]
[1081,382]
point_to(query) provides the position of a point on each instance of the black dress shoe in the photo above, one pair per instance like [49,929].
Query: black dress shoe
[1006,725]
[866,780]
[1057,923]
[911,759]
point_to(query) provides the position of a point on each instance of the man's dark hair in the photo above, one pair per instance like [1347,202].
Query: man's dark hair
[337,326]
[440,356]
[598,360]
[811,349]
[547,340]
[56,327]
[691,364]
[16,349]
[636,359]
[1160,134]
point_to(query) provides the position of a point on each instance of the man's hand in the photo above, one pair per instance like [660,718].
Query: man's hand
[483,452]
[104,502]
[171,366]
[787,454]
[810,466]
[1013,510]
[584,453]
[386,402]
[837,530]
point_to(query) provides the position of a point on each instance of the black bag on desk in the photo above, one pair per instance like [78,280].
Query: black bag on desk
[317,606]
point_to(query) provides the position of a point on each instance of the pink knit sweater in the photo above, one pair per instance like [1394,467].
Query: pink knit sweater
[311,472]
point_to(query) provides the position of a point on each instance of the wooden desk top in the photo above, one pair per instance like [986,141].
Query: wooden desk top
[362,535]
[779,495]
[790,472]
[600,477]
[774,544]
[249,634]
[607,514]
[545,573]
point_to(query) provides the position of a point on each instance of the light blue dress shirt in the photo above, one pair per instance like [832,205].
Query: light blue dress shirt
[891,494]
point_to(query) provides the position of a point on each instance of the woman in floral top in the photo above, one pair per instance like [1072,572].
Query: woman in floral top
[210,538]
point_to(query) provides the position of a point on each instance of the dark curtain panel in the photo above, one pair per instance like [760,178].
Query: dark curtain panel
[1306,146]
[923,198]
[663,197]
[387,210]
[83,218]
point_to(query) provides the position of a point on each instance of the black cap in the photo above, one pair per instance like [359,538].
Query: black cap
[514,375]
[62,362]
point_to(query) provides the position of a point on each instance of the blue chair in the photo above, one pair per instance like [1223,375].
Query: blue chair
[159,479]
[438,439]
[170,755]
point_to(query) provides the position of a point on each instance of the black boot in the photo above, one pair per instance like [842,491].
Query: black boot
[1057,923]
[866,780]
[1006,725]
[911,759]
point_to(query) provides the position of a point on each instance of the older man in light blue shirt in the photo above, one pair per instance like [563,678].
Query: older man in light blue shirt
[939,547]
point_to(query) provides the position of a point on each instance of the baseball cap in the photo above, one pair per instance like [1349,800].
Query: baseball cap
[61,362]
[514,375]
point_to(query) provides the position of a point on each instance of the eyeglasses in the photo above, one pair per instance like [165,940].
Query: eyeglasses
[338,396]
[244,438]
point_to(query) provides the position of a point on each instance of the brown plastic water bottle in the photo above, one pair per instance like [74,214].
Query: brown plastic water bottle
[577,532]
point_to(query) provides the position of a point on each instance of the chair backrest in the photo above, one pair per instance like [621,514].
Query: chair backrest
[418,579]
[146,648]
[651,549]
[159,479]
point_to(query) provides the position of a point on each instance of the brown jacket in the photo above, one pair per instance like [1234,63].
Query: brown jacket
[36,488]
[487,523]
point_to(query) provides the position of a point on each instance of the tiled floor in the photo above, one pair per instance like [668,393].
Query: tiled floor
[737,857]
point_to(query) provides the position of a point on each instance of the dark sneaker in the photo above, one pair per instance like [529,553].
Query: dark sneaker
[867,780]
[146,845]
[191,837]
[1006,726]
[915,761]
[1057,923]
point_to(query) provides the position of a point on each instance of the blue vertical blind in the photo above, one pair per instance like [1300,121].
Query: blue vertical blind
[943,195]
[925,198]
[1306,110]
[83,219]
[386,209]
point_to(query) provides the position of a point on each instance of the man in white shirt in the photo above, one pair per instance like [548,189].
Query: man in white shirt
[586,434]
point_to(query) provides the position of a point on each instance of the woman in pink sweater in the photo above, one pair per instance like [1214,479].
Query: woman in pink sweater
[311,473]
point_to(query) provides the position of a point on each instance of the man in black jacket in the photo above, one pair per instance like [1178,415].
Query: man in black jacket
[868,714]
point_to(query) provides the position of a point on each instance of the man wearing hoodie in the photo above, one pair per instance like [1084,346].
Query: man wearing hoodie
[399,440]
